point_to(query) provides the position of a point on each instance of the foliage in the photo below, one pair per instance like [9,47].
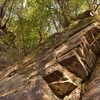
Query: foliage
[30,22]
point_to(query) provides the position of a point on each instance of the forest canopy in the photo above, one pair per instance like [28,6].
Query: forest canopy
[25,24]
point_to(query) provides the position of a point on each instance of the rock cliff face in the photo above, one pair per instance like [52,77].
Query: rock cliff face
[92,89]
[58,68]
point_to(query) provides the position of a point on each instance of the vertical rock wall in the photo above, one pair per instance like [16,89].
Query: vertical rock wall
[92,89]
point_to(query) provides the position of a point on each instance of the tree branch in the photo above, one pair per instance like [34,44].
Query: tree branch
[41,3]
[40,36]
[2,11]
[3,27]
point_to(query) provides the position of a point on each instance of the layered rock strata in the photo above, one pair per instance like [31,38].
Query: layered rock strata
[56,69]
